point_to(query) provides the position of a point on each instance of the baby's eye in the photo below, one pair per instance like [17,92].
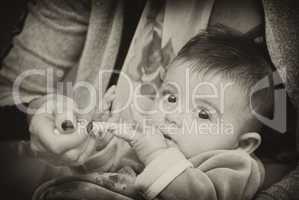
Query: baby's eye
[203,113]
[171,98]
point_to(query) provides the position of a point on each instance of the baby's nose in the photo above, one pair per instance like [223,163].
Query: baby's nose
[174,119]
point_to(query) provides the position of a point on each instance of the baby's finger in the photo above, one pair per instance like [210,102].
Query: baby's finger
[125,132]
[101,116]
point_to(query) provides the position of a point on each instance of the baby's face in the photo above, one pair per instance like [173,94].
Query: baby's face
[199,112]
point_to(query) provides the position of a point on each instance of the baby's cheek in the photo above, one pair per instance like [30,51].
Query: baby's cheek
[155,119]
[197,127]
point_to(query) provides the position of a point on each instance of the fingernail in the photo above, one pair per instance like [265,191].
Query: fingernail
[67,125]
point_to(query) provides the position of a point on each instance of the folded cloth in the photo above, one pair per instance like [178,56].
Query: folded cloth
[103,186]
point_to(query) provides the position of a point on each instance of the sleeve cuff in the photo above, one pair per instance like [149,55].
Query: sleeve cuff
[161,171]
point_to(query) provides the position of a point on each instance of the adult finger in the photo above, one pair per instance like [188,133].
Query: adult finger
[88,151]
[36,146]
[65,116]
[43,127]
[72,156]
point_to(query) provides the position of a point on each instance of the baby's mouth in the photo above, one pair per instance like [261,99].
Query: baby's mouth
[167,137]
[169,141]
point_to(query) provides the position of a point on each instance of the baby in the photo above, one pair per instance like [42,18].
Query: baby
[200,134]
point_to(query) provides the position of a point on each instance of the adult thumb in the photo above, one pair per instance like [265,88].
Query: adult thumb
[65,115]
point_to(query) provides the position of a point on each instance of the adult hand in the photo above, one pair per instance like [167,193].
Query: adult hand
[54,132]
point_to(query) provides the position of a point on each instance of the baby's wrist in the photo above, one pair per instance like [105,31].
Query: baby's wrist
[161,171]
[153,155]
[148,150]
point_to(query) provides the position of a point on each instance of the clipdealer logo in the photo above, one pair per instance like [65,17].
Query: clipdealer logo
[278,121]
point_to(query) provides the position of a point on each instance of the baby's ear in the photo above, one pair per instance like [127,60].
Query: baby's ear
[249,142]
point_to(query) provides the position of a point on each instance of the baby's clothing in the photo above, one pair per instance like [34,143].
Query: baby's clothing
[219,174]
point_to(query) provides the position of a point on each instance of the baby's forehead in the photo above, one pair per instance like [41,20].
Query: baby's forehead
[194,67]
[192,73]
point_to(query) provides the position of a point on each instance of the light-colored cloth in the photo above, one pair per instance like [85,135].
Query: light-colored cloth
[219,175]
[58,37]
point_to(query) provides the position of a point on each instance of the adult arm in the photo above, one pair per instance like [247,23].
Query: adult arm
[45,51]
[48,47]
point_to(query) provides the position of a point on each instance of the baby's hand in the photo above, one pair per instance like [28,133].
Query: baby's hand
[147,142]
